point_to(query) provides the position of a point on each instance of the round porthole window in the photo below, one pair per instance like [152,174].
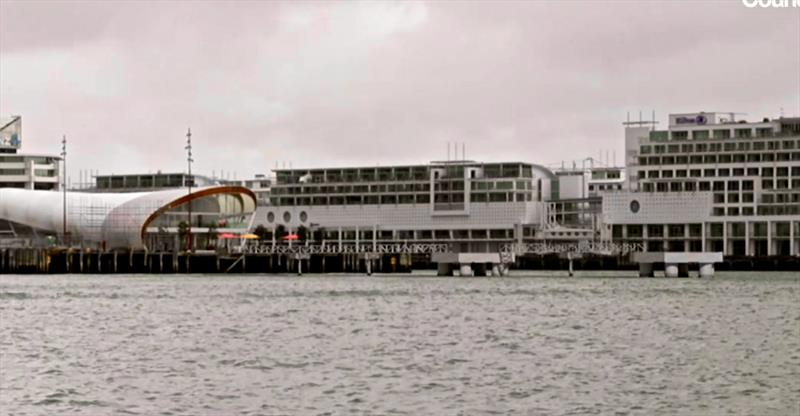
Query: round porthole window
[303,216]
[287,217]
[270,217]
[635,206]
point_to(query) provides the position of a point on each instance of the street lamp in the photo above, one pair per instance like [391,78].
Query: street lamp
[64,188]
[189,181]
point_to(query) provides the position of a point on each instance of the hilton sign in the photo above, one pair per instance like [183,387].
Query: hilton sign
[698,119]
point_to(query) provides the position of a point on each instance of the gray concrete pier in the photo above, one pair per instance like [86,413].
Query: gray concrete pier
[676,264]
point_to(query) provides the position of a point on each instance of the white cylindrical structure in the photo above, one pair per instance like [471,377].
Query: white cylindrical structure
[707,270]
[671,270]
[466,270]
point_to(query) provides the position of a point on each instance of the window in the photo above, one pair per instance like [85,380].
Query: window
[743,133]
[680,135]
[700,134]
[764,132]
[722,134]
[733,186]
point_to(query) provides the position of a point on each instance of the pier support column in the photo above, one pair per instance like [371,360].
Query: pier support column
[368,262]
[299,267]
[443,269]
[495,270]
[571,272]
[466,270]
[683,270]
[671,270]
[707,270]
[646,270]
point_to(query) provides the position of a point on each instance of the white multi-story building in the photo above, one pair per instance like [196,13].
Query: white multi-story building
[27,171]
[473,206]
[710,182]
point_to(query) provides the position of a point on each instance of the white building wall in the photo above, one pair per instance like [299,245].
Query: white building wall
[657,208]
[403,216]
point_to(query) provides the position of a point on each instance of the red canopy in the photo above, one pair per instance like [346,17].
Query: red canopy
[227,235]
[290,237]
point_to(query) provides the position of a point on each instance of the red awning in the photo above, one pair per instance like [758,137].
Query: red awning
[291,237]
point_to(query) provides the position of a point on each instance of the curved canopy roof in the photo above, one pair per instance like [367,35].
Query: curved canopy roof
[119,219]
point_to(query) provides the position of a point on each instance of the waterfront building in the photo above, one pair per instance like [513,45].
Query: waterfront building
[710,182]
[21,170]
[156,220]
[474,206]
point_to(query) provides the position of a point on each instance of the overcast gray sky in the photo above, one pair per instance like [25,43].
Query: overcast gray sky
[344,83]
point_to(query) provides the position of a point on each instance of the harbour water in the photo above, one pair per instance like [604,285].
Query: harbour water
[336,344]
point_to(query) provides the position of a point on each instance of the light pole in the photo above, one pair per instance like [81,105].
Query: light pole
[64,188]
[189,181]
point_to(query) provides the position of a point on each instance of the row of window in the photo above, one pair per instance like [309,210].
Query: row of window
[719,147]
[721,158]
[790,209]
[419,173]
[703,186]
[714,230]
[39,160]
[401,199]
[767,172]
[400,187]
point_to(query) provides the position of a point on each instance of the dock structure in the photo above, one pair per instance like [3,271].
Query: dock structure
[471,264]
[676,264]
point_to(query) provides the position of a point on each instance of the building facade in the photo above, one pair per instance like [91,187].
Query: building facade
[710,182]
[473,206]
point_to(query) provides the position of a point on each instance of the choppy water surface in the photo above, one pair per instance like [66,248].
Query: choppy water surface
[263,345]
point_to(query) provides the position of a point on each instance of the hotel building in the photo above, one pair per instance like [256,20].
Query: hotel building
[710,182]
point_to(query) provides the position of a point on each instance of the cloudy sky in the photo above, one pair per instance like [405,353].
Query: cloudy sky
[343,83]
